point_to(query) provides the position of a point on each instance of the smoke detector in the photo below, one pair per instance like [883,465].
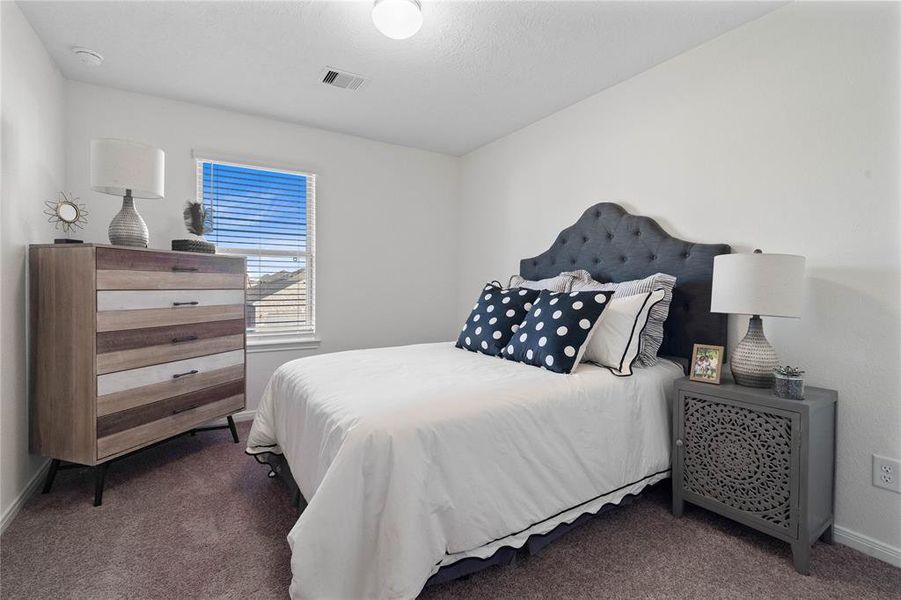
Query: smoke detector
[342,79]
[87,56]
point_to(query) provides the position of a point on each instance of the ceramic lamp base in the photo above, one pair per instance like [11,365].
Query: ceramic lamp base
[753,360]
[128,228]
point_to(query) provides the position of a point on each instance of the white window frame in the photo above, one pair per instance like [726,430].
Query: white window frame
[274,341]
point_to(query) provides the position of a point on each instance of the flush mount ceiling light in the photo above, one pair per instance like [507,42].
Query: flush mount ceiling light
[397,19]
[87,56]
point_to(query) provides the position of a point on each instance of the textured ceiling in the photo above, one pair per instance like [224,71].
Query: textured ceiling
[475,72]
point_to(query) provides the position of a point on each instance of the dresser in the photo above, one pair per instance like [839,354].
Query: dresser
[129,347]
[758,459]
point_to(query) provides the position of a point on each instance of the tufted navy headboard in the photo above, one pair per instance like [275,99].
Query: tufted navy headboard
[614,245]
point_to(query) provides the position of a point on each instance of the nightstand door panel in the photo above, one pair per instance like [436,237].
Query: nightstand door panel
[740,460]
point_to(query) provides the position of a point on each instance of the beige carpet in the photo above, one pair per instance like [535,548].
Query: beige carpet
[196,518]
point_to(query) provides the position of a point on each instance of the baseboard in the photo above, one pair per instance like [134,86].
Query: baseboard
[244,415]
[33,484]
[867,545]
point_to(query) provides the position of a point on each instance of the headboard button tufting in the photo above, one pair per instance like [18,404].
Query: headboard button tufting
[616,246]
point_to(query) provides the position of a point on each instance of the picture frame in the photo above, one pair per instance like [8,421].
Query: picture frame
[706,363]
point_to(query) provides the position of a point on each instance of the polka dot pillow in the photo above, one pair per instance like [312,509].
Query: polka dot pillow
[495,318]
[555,332]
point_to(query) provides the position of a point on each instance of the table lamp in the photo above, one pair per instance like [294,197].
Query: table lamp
[131,170]
[757,284]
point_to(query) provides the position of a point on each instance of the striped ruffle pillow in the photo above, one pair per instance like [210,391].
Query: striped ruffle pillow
[561,283]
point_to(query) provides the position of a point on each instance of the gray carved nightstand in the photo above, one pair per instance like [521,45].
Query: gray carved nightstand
[758,459]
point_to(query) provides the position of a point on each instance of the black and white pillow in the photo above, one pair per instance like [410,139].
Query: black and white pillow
[616,341]
[555,332]
[652,334]
[495,318]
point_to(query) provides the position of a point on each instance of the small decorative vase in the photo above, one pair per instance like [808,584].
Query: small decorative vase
[196,244]
[791,387]
[128,228]
[753,360]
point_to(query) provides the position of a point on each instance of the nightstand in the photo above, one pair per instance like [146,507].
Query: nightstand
[760,460]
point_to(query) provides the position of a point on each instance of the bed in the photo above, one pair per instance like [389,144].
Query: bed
[420,463]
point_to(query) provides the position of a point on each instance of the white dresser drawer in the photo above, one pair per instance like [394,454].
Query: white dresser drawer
[143,299]
[135,378]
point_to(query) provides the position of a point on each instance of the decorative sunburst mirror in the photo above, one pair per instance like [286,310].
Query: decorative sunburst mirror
[67,213]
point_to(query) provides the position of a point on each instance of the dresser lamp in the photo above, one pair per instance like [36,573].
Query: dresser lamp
[130,170]
[757,284]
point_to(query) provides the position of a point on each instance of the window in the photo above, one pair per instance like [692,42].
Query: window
[266,215]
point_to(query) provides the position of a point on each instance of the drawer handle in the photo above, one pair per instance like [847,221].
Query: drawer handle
[185,409]
[187,338]
[184,269]
[191,372]
[191,303]
[679,443]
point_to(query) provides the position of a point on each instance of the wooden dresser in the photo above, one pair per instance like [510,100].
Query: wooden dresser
[129,347]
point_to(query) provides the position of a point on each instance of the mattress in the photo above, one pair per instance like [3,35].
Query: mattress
[414,457]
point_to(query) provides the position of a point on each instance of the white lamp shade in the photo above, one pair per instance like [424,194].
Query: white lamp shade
[119,165]
[758,284]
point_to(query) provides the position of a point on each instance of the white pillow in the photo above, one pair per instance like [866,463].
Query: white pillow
[561,283]
[652,335]
[615,342]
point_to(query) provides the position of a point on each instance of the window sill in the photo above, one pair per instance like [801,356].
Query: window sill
[280,343]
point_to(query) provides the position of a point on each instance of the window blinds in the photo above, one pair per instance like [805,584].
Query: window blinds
[267,216]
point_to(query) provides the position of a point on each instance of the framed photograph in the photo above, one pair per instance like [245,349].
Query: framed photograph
[706,363]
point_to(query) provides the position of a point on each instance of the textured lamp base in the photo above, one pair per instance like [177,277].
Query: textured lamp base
[128,228]
[753,359]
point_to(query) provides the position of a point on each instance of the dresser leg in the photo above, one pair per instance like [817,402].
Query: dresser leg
[233,429]
[801,557]
[678,506]
[51,475]
[99,481]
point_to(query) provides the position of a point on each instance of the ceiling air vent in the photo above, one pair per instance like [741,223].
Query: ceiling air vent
[342,79]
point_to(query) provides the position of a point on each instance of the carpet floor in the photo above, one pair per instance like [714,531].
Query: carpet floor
[197,518]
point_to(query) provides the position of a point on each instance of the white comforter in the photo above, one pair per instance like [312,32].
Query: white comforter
[414,457]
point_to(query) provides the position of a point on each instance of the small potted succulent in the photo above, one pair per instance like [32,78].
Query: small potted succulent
[788,382]
[198,221]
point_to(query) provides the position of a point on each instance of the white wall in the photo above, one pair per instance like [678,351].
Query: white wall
[33,171]
[781,135]
[385,214]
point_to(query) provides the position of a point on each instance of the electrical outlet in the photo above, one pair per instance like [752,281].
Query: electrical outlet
[887,473]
